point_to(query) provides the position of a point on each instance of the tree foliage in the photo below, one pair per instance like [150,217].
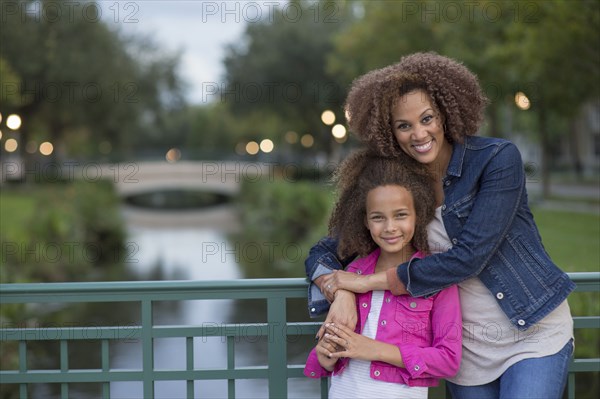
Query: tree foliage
[278,70]
[79,80]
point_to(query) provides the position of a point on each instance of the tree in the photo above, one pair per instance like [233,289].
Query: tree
[278,70]
[559,61]
[81,81]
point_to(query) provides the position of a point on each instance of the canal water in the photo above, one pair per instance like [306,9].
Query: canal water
[192,245]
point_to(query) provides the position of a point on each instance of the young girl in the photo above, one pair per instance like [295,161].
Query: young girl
[401,344]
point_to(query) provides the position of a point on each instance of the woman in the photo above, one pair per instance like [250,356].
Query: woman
[517,327]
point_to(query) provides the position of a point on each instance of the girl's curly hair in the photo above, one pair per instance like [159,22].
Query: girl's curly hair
[453,90]
[363,171]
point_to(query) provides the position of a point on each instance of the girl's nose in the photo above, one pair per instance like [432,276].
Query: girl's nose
[390,226]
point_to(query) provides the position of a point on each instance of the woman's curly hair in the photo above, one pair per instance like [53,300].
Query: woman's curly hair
[363,171]
[454,92]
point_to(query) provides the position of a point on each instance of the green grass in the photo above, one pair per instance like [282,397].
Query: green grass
[16,209]
[571,239]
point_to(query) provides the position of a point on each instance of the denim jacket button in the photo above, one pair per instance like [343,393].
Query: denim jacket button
[413,305]
[383,322]
[364,305]
[387,300]
[444,207]
[447,183]
[454,241]
[417,367]
[313,310]
[377,373]
[312,373]
[521,322]
[359,272]
[500,295]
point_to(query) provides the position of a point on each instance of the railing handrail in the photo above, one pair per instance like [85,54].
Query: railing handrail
[242,285]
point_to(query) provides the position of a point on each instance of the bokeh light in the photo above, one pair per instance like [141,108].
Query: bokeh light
[11,145]
[266,145]
[173,155]
[13,122]
[31,147]
[522,101]
[46,148]
[328,117]
[291,137]
[307,140]
[252,148]
[338,131]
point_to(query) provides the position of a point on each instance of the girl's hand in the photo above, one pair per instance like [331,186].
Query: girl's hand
[353,345]
[324,348]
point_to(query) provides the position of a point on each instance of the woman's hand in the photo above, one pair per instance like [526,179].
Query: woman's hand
[341,312]
[341,280]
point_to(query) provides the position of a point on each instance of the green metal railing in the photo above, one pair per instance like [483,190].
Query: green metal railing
[275,292]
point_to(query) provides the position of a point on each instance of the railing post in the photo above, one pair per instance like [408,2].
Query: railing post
[277,347]
[147,349]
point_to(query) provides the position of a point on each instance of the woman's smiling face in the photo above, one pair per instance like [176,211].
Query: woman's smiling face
[418,129]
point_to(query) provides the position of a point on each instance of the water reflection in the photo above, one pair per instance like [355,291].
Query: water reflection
[201,253]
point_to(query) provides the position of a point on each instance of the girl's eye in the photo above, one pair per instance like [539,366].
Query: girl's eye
[427,119]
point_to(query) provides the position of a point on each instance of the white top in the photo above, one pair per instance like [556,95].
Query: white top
[355,380]
[491,344]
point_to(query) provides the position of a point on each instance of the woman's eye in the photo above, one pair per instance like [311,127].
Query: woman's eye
[427,119]
[403,126]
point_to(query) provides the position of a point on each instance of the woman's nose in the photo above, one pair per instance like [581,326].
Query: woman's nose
[419,132]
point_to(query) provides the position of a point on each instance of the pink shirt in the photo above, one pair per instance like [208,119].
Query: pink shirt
[427,332]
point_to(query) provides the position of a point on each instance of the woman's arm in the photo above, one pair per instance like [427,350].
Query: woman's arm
[341,280]
[501,190]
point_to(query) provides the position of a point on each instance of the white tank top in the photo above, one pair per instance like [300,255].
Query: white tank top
[491,344]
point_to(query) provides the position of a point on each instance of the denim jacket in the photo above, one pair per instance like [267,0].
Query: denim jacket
[427,331]
[493,235]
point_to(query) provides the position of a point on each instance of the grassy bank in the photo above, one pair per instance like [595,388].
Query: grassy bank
[59,232]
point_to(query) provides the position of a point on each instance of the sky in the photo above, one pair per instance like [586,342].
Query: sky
[199,28]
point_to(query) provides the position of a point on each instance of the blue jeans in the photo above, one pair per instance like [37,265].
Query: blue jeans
[538,378]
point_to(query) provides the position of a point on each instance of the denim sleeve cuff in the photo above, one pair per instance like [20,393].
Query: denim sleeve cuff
[320,271]
[396,285]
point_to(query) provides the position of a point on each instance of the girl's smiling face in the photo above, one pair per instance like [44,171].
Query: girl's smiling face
[391,218]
